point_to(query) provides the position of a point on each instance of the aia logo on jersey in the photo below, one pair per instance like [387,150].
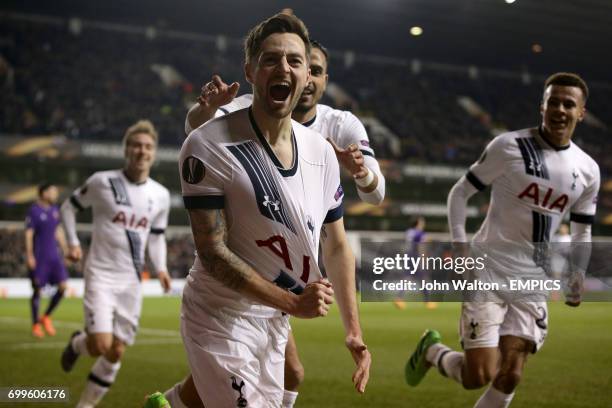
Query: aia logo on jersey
[549,200]
[193,170]
[132,221]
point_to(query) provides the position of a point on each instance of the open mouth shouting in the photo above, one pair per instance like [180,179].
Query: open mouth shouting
[279,91]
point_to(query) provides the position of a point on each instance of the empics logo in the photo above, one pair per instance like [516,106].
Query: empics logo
[193,170]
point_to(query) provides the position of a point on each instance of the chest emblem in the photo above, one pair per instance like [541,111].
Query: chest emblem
[268,203]
[575,176]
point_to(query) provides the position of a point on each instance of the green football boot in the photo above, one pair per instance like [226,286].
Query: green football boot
[156,400]
[417,365]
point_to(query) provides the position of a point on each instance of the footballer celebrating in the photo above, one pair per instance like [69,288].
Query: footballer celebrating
[536,176]
[342,128]
[262,191]
[130,212]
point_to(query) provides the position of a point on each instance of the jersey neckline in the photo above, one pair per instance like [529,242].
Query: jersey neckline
[130,180]
[309,123]
[283,171]
[552,146]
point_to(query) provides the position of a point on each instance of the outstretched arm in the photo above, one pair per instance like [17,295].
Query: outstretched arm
[457,208]
[365,170]
[158,253]
[68,212]
[213,95]
[579,257]
[340,266]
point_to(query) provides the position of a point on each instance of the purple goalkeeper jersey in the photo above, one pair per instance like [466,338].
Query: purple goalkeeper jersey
[44,222]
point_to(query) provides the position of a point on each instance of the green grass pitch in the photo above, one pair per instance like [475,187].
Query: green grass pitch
[574,368]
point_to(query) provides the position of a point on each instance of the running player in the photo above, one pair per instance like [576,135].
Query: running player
[45,262]
[536,175]
[130,211]
[341,127]
[254,168]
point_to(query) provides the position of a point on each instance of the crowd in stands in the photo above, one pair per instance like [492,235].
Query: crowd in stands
[90,83]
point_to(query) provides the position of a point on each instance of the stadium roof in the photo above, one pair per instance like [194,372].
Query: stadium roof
[574,35]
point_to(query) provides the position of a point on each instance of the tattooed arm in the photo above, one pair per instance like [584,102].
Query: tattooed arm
[210,236]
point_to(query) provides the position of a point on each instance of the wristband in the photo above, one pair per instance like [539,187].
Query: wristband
[365,181]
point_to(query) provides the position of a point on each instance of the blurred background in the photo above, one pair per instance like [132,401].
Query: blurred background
[433,81]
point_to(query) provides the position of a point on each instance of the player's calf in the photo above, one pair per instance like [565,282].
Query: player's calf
[514,352]
[507,381]
[294,370]
[294,374]
[116,351]
[188,394]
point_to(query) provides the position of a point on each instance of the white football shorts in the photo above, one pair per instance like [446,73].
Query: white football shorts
[236,361]
[483,323]
[113,309]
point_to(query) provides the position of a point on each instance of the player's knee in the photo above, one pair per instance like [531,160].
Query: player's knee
[475,379]
[294,375]
[99,345]
[507,381]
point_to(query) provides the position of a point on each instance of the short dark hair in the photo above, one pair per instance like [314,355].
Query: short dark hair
[319,46]
[568,79]
[278,23]
[44,187]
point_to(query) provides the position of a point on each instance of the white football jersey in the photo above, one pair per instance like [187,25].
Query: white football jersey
[274,215]
[342,127]
[124,213]
[533,185]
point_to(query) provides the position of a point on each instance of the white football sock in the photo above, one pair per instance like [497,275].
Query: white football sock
[493,398]
[432,352]
[173,396]
[79,344]
[449,362]
[289,398]
[101,377]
